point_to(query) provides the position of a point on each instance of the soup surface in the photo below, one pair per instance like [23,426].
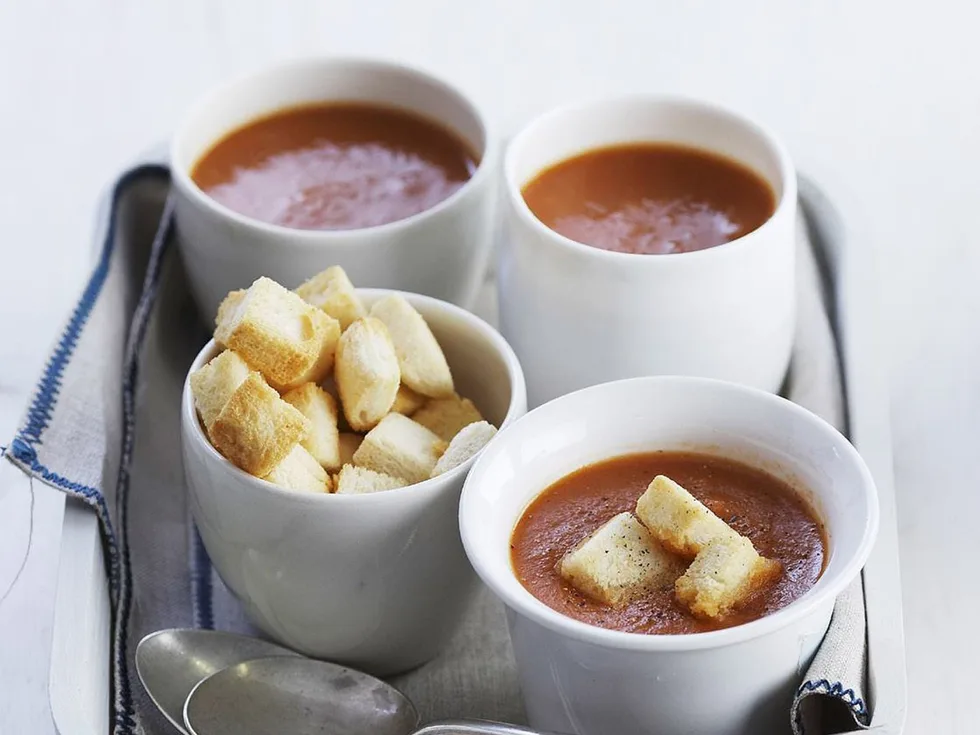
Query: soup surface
[650,198]
[752,502]
[336,166]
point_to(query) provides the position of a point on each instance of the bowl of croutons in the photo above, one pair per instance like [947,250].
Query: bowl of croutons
[670,550]
[326,434]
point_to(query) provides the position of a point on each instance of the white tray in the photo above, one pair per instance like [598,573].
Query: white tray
[847,258]
[80,649]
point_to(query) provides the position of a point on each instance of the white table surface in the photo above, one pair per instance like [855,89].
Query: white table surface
[878,96]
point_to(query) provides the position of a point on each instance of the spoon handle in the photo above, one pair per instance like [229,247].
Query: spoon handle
[475,727]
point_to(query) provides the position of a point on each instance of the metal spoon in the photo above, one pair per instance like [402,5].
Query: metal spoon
[170,663]
[297,696]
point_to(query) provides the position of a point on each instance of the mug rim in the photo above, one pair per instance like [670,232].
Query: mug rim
[180,171]
[520,600]
[195,432]
[785,204]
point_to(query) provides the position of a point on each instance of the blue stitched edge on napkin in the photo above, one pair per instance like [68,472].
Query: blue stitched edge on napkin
[23,448]
[125,711]
[822,686]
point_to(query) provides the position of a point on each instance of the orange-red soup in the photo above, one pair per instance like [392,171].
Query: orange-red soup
[754,503]
[650,198]
[336,166]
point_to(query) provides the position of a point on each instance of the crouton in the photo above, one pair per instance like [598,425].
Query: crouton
[213,384]
[275,332]
[256,429]
[470,440]
[332,291]
[227,308]
[423,366]
[327,331]
[348,445]
[678,520]
[619,562]
[366,373]
[407,401]
[359,480]
[722,575]
[300,471]
[321,409]
[400,447]
[446,416]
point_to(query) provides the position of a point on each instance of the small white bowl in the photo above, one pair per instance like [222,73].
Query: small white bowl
[726,312]
[441,252]
[375,581]
[584,679]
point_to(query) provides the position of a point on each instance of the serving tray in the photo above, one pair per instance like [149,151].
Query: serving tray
[79,673]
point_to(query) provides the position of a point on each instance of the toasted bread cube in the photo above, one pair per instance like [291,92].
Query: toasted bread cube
[300,471]
[214,384]
[470,440]
[321,409]
[275,332]
[400,447]
[348,445]
[332,291]
[423,366]
[407,401]
[366,373]
[678,520]
[256,429]
[619,562]
[360,480]
[227,308]
[327,330]
[722,575]
[446,416]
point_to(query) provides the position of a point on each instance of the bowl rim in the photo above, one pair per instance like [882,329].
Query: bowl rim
[785,204]
[191,425]
[521,601]
[180,170]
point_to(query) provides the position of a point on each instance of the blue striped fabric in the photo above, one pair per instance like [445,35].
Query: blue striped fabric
[23,450]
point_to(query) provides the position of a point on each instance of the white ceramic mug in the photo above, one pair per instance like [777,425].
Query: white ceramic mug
[441,252]
[376,581]
[578,678]
[578,315]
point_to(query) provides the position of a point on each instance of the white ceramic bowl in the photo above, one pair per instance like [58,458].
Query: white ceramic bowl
[376,581]
[578,315]
[441,252]
[577,678]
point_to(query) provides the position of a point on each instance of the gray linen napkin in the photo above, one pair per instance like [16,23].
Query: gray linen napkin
[831,697]
[103,426]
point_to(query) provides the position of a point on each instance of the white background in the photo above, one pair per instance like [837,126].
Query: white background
[882,98]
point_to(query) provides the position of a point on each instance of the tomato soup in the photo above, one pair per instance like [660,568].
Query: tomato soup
[335,166]
[754,503]
[650,198]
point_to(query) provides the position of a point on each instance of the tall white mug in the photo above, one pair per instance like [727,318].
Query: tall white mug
[577,315]
[441,252]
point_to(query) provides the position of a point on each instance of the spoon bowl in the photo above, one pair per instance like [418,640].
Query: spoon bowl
[212,683]
[170,663]
[298,696]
